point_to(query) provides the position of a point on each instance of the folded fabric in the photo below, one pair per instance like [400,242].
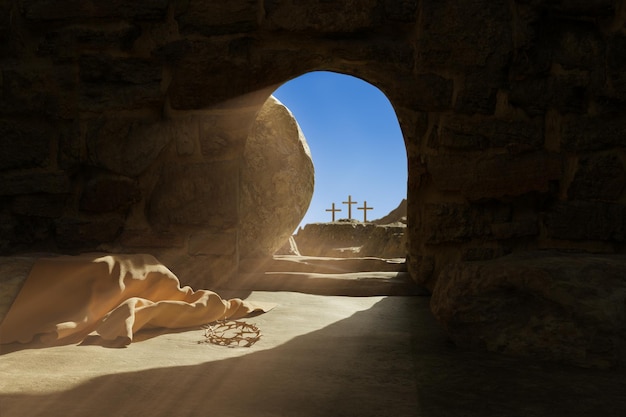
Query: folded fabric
[66,298]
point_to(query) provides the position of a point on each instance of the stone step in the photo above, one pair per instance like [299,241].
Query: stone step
[378,283]
[319,264]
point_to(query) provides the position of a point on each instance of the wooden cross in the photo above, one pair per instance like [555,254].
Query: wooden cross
[333,210]
[365,208]
[349,203]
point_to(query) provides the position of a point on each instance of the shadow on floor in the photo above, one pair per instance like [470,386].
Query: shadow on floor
[390,360]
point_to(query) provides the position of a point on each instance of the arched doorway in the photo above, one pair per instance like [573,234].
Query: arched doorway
[356,144]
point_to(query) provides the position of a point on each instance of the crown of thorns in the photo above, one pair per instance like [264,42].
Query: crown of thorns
[231,333]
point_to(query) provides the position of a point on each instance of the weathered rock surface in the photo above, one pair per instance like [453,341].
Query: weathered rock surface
[568,307]
[352,238]
[277,181]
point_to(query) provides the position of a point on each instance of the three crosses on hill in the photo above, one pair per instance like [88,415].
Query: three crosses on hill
[333,210]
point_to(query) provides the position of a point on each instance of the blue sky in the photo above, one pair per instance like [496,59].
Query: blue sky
[355,141]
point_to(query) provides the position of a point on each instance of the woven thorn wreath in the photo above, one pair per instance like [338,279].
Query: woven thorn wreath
[231,333]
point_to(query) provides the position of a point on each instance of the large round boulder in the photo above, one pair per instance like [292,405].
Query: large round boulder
[277,181]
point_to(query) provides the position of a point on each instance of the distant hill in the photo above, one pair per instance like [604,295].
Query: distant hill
[397,215]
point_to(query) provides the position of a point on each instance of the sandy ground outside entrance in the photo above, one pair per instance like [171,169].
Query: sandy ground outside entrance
[318,356]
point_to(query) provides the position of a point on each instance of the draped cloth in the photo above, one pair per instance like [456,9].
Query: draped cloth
[64,299]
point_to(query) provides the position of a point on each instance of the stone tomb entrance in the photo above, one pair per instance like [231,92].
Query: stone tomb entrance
[353,153]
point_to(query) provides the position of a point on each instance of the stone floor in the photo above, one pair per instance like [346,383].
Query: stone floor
[318,356]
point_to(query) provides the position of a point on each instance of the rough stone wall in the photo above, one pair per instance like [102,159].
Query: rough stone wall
[528,151]
[512,113]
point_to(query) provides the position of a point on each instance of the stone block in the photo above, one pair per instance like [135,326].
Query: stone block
[25,143]
[566,92]
[220,18]
[446,136]
[561,63]
[533,94]
[571,91]
[536,58]
[479,92]
[206,243]
[450,172]
[71,145]
[119,83]
[599,177]
[495,176]
[514,135]
[616,66]
[431,93]
[574,44]
[186,138]
[230,88]
[389,52]
[79,10]
[616,53]
[109,193]
[477,133]
[593,133]
[346,16]
[194,52]
[126,146]
[99,98]
[35,182]
[455,222]
[514,175]
[39,205]
[515,229]
[9,44]
[31,231]
[67,42]
[45,91]
[8,228]
[585,220]
[571,44]
[573,8]
[5,19]
[195,194]
[449,222]
[463,35]
[114,70]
